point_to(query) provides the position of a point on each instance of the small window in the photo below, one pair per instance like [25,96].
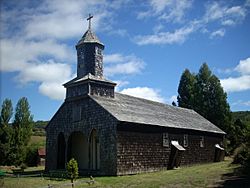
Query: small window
[185,142]
[165,140]
[202,141]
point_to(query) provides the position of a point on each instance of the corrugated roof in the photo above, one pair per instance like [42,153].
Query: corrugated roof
[132,109]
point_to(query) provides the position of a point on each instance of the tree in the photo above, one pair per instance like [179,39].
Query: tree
[22,129]
[204,94]
[210,99]
[6,112]
[185,90]
[174,104]
[23,119]
[5,130]
[72,169]
[201,91]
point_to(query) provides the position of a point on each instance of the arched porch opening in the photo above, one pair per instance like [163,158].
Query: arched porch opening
[60,151]
[78,149]
[94,151]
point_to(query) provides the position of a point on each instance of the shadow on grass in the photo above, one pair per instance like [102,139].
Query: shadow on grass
[235,179]
[29,173]
[55,175]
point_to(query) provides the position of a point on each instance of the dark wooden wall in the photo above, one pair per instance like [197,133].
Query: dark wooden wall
[140,148]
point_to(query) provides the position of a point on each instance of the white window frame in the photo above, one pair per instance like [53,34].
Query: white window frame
[202,143]
[185,140]
[165,140]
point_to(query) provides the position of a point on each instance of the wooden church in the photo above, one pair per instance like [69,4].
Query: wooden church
[110,133]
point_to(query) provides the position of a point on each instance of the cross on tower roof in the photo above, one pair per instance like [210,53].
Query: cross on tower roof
[89,19]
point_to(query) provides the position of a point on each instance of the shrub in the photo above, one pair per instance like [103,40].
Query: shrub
[72,169]
[31,156]
[242,156]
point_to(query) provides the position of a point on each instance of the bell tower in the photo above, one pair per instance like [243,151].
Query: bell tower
[89,54]
[90,79]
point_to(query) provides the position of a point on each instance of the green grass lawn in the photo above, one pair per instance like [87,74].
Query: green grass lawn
[206,175]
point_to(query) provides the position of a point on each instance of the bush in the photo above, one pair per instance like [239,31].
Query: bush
[31,156]
[240,154]
[72,169]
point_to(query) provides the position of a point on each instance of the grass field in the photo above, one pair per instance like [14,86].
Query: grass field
[38,140]
[206,175]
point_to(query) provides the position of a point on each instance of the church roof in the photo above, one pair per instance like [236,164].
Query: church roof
[85,78]
[89,37]
[136,110]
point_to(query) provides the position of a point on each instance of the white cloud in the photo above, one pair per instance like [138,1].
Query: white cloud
[49,75]
[120,64]
[45,72]
[175,11]
[217,12]
[178,36]
[30,60]
[218,33]
[34,35]
[17,53]
[144,92]
[62,19]
[53,90]
[168,10]
[240,83]
[244,66]
[228,22]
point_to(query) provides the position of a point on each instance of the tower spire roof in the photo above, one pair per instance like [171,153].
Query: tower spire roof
[89,36]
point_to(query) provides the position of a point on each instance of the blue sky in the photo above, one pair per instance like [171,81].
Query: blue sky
[148,44]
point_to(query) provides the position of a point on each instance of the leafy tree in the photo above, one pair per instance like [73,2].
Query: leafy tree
[244,116]
[23,119]
[204,94]
[22,129]
[6,112]
[5,130]
[238,135]
[72,169]
[210,99]
[201,90]
[186,90]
